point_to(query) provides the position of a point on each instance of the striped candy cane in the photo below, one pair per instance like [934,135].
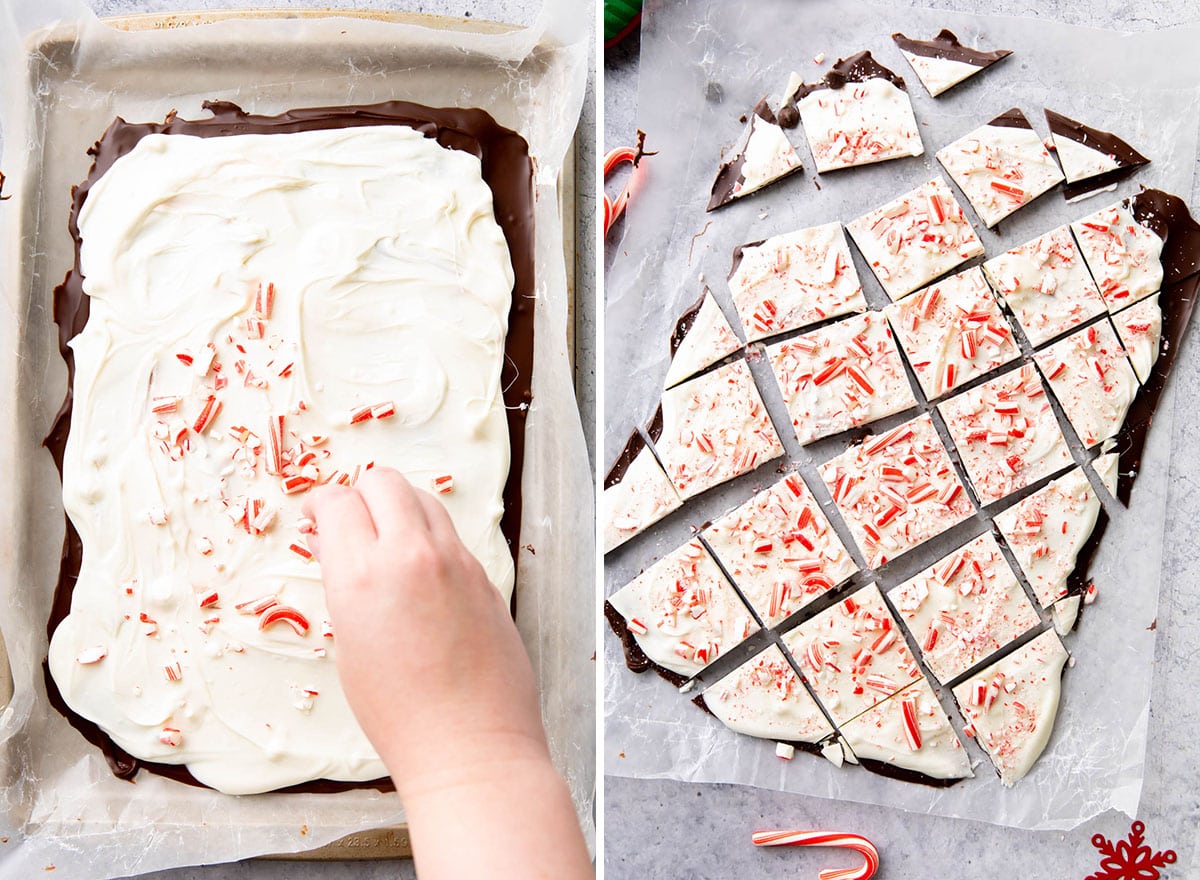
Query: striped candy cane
[859,844]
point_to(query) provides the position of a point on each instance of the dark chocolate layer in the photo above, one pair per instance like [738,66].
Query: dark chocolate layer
[883,768]
[1012,118]
[633,446]
[729,175]
[1101,141]
[946,45]
[508,171]
[737,255]
[635,657]
[684,325]
[859,67]
[1168,217]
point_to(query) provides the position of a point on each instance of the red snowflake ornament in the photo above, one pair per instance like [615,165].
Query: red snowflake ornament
[1129,859]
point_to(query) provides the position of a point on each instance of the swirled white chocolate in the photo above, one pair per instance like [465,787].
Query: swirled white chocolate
[391,290]
[765,698]
[859,124]
[1092,379]
[1124,255]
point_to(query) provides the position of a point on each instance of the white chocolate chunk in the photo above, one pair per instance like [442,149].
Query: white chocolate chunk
[952,331]
[1064,613]
[765,698]
[896,490]
[859,124]
[853,654]
[1012,704]
[964,607]
[708,338]
[1092,379]
[642,497]
[841,376]
[1047,285]
[916,238]
[780,549]
[1124,255]
[715,428]
[1105,467]
[762,155]
[939,74]
[1140,330]
[1079,161]
[909,730]
[795,279]
[1006,433]
[683,612]
[1047,530]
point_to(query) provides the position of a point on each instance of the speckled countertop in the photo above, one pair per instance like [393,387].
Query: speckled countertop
[669,829]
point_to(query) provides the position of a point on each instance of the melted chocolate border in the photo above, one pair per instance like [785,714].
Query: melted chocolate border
[859,67]
[946,45]
[1012,118]
[729,175]
[508,171]
[635,657]
[633,447]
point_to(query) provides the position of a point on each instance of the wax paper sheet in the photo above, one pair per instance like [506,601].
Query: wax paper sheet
[60,805]
[703,65]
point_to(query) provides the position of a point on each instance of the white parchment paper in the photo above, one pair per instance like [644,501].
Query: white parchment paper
[60,805]
[705,64]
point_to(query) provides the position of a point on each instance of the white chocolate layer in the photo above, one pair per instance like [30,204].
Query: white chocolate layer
[1047,285]
[1092,379]
[952,331]
[765,698]
[392,288]
[642,497]
[1079,161]
[841,376]
[1105,467]
[766,156]
[1124,255]
[682,611]
[1012,704]
[1064,613]
[882,733]
[795,279]
[964,607]
[853,654]
[916,238]
[1140,330]
[1006,433]
[709,339]
[1000,169]
[1047,530]
[780,549]
[896,490]
[859,124]
[715,428]
[939,74]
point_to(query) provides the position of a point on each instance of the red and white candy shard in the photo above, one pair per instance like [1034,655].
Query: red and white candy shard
[1047,285]
[896,490]
[841,376]
[909,730]
[780,549]
[765,156]
[683,612]
[709,339]
[1011,705]
[859,124]
[795,279]
[714,428]
[1006,434]
[1092,379]
[642,497]
[1140,330]
[1000,168]
[916,238]
[765,698]
[964,607]
[853,654]
[1047,530]
[1124,255]
[952,331]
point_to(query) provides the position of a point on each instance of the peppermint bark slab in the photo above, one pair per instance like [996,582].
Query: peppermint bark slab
[1122,254]
[1000,166]
[1047,285]
[637,493]
[853,654]
[713,428]
[916,238]
[908,732]
[952,331]
[859,114]
[780,550]
[761,156]
[702,337]
[1006,434]
[1011,705]
[1092,379]
[789,281]
[841,376]
[765,698]
[1139,328]
[1050,535]
[681,612]
[896,490]
[964,607]
[1091,154]
[944,62]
